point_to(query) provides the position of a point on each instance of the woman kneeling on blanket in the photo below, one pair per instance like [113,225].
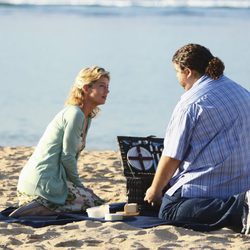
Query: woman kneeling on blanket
[49,183]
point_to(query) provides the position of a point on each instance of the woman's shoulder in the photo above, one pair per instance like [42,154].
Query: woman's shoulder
[73,112]
[73,109]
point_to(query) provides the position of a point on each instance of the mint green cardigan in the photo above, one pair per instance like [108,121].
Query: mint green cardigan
[54,160]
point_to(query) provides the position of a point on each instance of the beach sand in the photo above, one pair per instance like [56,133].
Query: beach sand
[102,171]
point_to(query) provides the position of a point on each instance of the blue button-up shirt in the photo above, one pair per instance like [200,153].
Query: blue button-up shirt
[209,132]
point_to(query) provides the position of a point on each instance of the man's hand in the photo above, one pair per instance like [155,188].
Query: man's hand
[165,170]
[153,195]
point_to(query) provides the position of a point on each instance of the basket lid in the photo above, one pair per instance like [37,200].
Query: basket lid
[140,155]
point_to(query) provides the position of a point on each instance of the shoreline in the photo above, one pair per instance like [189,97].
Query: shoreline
[101,171]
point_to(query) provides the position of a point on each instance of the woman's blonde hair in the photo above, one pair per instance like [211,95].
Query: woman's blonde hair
[86,76]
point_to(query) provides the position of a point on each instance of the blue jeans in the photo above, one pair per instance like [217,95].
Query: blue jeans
[203,214]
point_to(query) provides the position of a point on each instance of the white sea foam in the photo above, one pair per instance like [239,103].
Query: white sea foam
[143,3]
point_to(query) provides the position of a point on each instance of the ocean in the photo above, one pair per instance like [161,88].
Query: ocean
[45,43]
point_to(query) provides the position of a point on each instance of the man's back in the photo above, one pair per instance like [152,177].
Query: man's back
[216,152]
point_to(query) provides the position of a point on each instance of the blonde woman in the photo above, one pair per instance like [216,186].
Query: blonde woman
[49,183]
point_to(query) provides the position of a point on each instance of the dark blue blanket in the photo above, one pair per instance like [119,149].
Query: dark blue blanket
[146,219]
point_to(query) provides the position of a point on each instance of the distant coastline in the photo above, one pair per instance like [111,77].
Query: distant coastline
[132,3]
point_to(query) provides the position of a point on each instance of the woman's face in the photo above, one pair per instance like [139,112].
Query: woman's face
[98,92]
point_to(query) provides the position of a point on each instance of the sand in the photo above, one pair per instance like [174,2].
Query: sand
[102,171]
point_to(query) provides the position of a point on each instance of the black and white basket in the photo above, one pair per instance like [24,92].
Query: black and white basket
[140,157]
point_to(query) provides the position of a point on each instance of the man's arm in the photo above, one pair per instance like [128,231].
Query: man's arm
[165,170]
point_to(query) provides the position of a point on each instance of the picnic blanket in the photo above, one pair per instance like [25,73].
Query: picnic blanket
[146,219]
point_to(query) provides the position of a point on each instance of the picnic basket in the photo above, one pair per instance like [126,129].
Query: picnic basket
[140,157]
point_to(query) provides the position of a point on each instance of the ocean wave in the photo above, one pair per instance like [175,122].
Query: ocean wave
[137,3]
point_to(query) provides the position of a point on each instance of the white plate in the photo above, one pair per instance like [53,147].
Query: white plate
[133,152]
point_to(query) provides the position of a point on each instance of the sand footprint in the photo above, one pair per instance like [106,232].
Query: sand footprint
[79,243]
[137,245]
[164,234]
[123,226]
[141,232]
[15,231]
[71,227]
[184,231]
[170,246]
[41,237]
[12,241]
[93,224]
[117,239]
[70,243]
[219,239]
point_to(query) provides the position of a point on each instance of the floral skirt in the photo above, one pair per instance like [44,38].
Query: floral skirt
[78,199]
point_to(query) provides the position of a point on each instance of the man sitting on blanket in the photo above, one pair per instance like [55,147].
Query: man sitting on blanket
[206,156]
